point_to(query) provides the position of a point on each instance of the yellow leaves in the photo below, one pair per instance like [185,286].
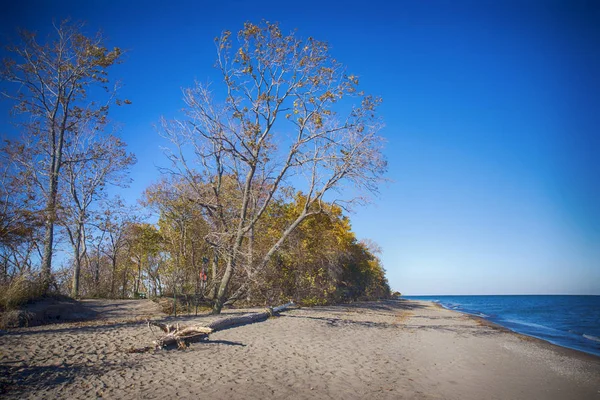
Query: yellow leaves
[313,301]
[264,97]
[353,79]
[317,120]
[369,103]
[322,260]
[327,96]
[315,80]
[223,41]
[274,30]
[224,38]
[243,56]
[250,30]
[251,130]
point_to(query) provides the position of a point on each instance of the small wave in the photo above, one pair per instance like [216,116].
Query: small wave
[592,338]
[448,306]
[454,307]
[531,324]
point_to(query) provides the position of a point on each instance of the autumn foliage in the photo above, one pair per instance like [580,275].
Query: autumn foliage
[252,207]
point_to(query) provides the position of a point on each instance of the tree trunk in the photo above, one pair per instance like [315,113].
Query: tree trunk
[138,282]
[77,256]
[265,260]
[5,271]
[97,277]
[183,335]
[56,161]
[124,289]
[114,276]
[47,259]
[220,298]
[213,279]
[97,266]
[76,274]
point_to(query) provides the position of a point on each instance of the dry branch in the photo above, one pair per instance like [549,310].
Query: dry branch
[182,335]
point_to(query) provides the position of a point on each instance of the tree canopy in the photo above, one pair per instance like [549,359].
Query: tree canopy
[253,206]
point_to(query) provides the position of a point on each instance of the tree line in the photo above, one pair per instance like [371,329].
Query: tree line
[253,201]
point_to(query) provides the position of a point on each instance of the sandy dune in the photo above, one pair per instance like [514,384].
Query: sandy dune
[387,350]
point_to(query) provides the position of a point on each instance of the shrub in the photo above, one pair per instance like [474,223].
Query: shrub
[20,291]
[17,319]
[185,305]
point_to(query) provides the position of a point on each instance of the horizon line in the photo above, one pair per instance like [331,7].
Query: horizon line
[507,294]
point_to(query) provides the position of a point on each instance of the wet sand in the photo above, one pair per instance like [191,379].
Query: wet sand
[382,350]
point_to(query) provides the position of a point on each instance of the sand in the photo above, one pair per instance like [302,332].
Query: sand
[383,350]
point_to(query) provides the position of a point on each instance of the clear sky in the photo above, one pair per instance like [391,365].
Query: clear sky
[492,112]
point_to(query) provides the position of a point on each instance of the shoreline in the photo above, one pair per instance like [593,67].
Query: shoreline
[523,336]
[385,350]
[497,325]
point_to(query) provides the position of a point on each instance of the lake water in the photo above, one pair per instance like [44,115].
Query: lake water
[568,321]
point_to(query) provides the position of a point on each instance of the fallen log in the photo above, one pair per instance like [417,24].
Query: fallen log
[181,336]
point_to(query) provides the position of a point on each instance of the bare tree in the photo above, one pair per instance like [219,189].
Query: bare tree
[54,81]
[20,223]
[113,224]
[96,239]
[286,117]
[115,227]
[91,162]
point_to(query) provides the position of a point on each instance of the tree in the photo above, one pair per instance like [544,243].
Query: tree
[285,115]
[183,229]
[55,79]
[20,225]
[91,162]
[144,246]
[113,224]
[321,262]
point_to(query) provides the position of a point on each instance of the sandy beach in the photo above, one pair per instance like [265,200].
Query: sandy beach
[381,350]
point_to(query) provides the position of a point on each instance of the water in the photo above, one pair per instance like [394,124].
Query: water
[568,321]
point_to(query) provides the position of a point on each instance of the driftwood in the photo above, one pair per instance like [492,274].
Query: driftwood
[179,335]
[182,335]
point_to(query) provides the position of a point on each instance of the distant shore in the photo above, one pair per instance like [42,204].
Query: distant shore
[383,350]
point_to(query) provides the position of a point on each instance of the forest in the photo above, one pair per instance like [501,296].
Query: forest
[262,171]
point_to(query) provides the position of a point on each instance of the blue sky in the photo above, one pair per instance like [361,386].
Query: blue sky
[491,108]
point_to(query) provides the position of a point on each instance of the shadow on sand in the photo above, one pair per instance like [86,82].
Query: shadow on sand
[29,379]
